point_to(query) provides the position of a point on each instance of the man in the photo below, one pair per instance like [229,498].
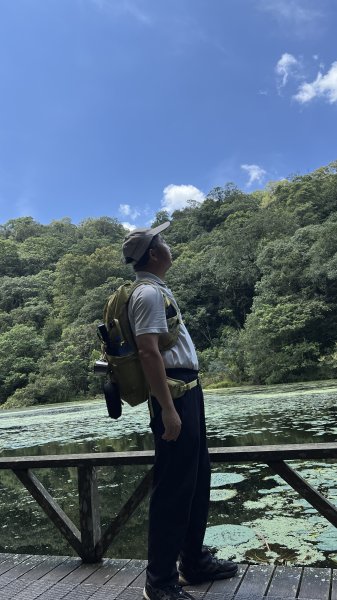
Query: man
[180,495]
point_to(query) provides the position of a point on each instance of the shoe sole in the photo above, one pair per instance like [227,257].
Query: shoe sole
[145,596]
[184,581]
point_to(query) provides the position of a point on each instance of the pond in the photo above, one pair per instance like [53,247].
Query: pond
[254,516]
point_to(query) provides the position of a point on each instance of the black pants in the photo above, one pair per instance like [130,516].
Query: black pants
[180,495]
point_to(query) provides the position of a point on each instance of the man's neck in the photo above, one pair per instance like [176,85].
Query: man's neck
[158,272]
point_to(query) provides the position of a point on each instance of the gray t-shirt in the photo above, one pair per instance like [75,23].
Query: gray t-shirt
[147,315]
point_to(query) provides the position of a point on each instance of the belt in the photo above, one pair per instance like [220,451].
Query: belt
[177,389]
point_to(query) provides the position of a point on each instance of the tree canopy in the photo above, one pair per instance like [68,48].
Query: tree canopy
[255,276]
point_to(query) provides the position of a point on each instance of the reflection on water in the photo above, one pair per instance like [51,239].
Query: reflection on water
[254,515]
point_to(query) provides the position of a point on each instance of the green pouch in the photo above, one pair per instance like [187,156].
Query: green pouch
[128,373]
[178,387]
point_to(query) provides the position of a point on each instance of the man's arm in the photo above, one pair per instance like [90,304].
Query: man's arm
[154,371]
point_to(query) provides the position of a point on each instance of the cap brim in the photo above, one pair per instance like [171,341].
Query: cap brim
[160,228]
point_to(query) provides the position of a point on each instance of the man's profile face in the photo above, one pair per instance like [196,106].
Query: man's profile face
[163,252]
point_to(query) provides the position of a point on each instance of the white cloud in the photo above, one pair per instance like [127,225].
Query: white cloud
[287,65]
[295,12]
[176,196]
[324,86]
[129,226]
[256,173]
[127,211]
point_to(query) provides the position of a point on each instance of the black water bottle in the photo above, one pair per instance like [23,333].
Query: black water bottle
[112,399]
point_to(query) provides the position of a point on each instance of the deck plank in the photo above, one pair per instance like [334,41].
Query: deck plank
[128,574]
[13,582]
[12,561]
[255,581]
[225,588]
[334,585]
[81,573]
[285,582]
[315,584]
[107,592]
[198,590]
[5,556]
[47,564]
[37,589]
[28,577]
[62,570]
[108,568]
[18,569]
[126,584]
[77,574]
[130,593]
[139,581]
[92,586]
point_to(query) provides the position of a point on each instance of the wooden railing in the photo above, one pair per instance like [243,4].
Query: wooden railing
[91,544]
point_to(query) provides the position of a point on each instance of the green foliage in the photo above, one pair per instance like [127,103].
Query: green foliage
[21,229]
[282,342]
[223,202]
[10,263]
[161,217]
[255,276]
[20,348]
[37,253]
[76,274]
[310,198]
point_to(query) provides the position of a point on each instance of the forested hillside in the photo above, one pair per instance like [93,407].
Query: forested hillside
[255,275]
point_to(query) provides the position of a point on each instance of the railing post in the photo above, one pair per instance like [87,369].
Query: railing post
[90,525]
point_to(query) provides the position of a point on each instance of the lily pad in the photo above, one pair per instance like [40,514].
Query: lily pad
[327,541]
[228,535]
[220,495]
[222,479]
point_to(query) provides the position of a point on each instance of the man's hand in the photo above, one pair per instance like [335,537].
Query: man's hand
[172,424]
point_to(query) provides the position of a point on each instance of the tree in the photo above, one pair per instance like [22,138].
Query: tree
[38,253]
[161,217]
[77,274]
[10,263]
[21,229]
[16,291]
[105,227]
[310,198]
[222,202]
[20,349]
[282,342]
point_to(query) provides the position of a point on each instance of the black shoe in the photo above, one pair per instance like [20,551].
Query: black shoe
[210,570]
[170,592]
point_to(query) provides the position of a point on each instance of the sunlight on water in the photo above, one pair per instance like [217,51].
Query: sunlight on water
[254,515]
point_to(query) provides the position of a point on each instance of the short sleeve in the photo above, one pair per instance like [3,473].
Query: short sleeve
[147,310]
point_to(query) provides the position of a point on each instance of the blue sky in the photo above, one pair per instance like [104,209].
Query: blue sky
[125,107]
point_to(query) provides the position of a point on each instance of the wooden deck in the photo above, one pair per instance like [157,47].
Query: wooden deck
[24,577]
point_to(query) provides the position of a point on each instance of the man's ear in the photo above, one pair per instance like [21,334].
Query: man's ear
[152,254]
